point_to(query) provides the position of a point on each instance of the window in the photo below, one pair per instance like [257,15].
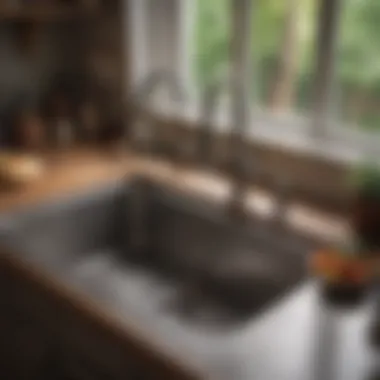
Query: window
[158,40]
[357,66]
[211,32]
[282,40]
[283,36]
[313,58]
[283,52]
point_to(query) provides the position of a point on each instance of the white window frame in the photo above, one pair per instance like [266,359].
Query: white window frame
[319,136]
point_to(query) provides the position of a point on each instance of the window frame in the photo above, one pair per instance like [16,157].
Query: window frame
[319,135]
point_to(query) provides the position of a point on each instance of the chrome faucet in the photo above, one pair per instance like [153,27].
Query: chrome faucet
[235,164]
[236,151]
[205,138]
[139,100]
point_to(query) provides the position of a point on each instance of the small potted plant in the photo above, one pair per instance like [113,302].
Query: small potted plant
[345,273]
[366,207]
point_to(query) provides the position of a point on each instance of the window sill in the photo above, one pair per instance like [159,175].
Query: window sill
[289,133]
[317,168]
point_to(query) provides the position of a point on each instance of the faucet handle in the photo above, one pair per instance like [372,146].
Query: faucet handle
[283,188]
[139,134]
[236,165]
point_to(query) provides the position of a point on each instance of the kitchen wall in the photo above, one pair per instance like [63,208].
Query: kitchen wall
[88,50]
[103,54]
[24,74]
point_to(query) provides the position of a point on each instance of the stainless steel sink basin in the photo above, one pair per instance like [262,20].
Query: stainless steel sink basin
[196,263]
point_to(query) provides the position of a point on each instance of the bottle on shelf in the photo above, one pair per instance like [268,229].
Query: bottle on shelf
[31,128]
[89,122]
[62,123]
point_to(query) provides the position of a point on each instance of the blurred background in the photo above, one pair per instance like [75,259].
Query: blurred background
[253,129]
[284,43]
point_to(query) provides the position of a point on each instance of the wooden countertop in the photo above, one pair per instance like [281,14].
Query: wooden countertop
[65,173]
[79,169]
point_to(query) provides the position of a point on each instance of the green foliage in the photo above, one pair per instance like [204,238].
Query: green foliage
[359,51]
[366,180]
[357,58]
[212,39]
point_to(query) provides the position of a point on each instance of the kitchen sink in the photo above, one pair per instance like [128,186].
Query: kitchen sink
[153,244]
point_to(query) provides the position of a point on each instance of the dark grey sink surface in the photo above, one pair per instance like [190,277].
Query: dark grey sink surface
[201,286]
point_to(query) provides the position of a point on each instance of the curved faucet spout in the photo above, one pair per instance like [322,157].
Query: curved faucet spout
[141,96]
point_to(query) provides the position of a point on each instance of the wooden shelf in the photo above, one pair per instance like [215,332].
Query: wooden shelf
[44,13]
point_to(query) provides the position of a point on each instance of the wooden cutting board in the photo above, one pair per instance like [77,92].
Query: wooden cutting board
[19,169]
